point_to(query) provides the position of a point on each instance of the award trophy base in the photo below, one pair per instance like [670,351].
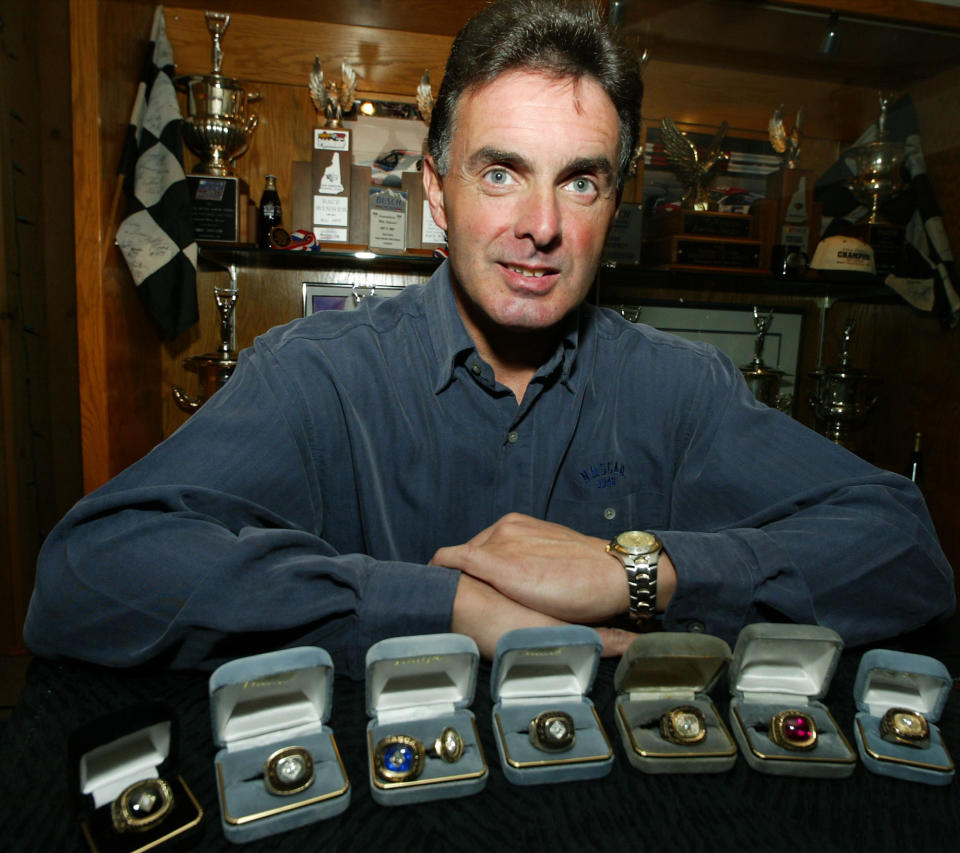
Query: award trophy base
[695,240]
[887,241]
[221,209]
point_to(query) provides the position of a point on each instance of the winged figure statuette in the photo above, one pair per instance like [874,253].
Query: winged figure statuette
[331,98]
[786,144]
[425,97]
[695,170]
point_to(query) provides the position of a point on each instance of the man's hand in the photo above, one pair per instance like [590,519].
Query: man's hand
[546,567]
[481,612]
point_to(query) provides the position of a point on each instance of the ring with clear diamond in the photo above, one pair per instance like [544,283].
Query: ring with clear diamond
[906,727]
[141,806]
[684,725]
[449,746]
[552,731]
[288,771]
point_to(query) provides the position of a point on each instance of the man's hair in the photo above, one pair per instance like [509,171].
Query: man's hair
[561,38]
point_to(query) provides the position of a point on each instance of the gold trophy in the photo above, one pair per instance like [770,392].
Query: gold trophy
[217,128]
[878,167]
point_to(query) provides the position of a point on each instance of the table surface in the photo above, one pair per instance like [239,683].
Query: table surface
[740,809]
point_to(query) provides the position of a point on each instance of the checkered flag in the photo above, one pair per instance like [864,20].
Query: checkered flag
[156,237]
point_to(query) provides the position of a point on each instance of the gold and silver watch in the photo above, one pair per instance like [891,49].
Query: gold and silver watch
[639,552]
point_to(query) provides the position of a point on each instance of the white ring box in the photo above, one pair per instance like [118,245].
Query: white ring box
[417,686]
[778,667]
[891,679]
[548,669]
[113,752]
[258,705]
[659,672]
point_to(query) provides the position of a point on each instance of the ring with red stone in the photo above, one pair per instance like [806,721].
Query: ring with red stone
[793,730]
[906,727]
[684,725]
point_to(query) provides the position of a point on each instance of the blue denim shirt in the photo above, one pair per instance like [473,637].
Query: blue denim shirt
[302,502]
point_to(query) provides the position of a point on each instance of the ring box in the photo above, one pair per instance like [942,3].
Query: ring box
[416,687]
[261,704]
[778,667]
[890,679]
[115,751]
[548,669]
[658,673]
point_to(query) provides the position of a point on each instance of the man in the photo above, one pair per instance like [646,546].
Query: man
[460,457]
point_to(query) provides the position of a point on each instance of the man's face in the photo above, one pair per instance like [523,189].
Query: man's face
[528,199]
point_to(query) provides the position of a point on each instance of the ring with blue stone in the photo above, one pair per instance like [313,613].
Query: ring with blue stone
[399,758]
[552,731]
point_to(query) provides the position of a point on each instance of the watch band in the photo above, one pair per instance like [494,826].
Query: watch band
[641,568]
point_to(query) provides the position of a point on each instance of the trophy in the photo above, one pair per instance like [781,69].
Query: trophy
[697,236]
[213,368]
[218,128]
[762,380]
[787,145]
[842,397]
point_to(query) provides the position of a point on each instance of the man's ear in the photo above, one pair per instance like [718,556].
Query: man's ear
[433,189]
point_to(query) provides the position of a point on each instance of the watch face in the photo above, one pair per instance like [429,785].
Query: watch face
[638,542]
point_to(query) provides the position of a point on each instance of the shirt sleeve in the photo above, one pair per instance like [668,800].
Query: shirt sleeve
[215,545]
[772,522]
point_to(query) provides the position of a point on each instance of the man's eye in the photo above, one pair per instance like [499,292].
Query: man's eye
[582,185]
[499,177]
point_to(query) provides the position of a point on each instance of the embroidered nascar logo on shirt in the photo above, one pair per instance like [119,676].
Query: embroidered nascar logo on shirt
[603,475]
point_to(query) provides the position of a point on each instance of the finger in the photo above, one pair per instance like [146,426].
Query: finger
[615,641]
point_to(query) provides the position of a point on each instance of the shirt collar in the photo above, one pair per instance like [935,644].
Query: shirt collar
[453,343]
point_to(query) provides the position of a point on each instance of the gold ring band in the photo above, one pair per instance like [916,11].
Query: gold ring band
[793,730]
[552,731]
[906,727]
[141,806]
[288,771]
[684,725]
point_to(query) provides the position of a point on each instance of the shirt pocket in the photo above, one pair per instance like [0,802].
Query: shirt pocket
[606,515]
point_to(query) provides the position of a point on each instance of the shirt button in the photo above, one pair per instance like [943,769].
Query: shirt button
[609,513]
[476,368]
[512,437]
[695,626]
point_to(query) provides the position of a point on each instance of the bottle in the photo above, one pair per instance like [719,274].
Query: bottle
[915,469]
[270,214]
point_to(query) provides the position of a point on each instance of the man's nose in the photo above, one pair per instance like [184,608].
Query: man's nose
[539,218]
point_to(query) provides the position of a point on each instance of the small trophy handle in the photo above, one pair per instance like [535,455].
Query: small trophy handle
[217,23]
[184,401]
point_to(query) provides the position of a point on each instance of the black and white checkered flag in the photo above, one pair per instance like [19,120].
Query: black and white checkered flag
[156,237]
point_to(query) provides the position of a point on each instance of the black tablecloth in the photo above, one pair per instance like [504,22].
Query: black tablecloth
[740,810]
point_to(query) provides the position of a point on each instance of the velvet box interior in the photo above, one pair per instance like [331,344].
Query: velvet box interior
[537,671]
[890,680]
[270,711]
[778,668]
[126,783]
[418,693]
[663,675]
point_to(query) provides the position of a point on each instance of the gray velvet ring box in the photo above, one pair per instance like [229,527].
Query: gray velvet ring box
[416,687]
[889,679]
[548,669]
[658,673]
[778,667]
[259,705]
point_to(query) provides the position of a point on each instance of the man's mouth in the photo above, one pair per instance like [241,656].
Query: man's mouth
[528,273]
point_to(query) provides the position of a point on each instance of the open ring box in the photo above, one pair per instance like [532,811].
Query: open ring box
[261,704]
[115,751]
[779,667]
[416,687]
[537,670]
[889,679]
[659,673]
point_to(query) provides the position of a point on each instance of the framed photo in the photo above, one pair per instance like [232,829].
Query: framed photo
[341,296]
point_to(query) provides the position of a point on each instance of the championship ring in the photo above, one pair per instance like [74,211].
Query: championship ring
[793,730]
[399,758]
[449,746]
[141,806]
[900,725]
[684,725]
[288,771]
[552,731]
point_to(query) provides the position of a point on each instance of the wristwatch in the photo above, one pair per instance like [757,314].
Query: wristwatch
[639,552]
